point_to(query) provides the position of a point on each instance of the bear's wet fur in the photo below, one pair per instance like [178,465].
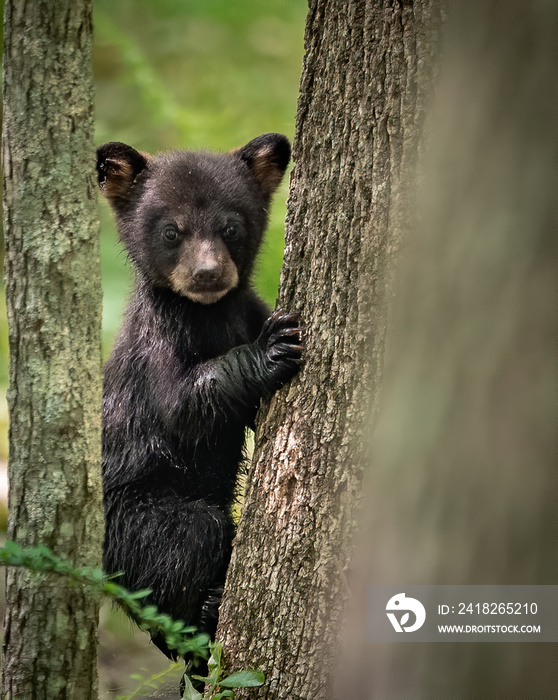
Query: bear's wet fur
[197,352]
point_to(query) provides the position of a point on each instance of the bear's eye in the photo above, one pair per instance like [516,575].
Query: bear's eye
[231,232]
[170,234]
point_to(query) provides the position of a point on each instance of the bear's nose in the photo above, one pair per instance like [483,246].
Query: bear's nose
[206,273]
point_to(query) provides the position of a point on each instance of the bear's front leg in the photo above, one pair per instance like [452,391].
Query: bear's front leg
[233,384]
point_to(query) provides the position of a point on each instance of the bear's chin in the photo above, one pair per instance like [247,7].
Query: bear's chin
[205,297]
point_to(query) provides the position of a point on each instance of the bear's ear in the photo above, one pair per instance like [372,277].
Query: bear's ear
[118,165]
[267,156]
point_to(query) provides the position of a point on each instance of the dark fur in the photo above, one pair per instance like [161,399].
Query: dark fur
[186,376]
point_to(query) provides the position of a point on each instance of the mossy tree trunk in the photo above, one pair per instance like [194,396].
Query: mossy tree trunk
[361,103]
[54,304]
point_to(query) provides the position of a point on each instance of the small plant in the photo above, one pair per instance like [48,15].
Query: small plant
[218,687]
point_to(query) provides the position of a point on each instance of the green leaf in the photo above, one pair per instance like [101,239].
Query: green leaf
[243,679]
[214,663]
[205,679]
[44,551]
[139,594]
[223,694]
[112,589]
[12,547]
[12,553]
[97,575]
[150,611]
[190,693]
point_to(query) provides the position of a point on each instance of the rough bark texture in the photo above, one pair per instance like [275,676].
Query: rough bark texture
[462,485]
[54,303]
[359,111]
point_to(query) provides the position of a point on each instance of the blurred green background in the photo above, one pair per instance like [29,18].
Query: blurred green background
[179,74]
[194,74]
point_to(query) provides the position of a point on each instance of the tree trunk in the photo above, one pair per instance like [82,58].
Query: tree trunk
[54,303]
[462,485]
[359,114]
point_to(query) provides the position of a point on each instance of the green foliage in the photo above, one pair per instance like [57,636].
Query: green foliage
[196,74]
[218,687]
[177,635]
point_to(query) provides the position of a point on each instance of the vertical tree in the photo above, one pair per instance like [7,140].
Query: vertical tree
[360,108]
[53,299]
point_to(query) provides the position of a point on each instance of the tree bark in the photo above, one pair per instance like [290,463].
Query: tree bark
[366,67]
[54,303]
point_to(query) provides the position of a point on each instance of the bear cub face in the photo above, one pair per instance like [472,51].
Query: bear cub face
[192,222]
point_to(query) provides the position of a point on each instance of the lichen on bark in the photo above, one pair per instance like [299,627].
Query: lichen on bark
[54,304]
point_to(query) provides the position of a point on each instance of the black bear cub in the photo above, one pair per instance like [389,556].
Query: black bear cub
[197,352]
